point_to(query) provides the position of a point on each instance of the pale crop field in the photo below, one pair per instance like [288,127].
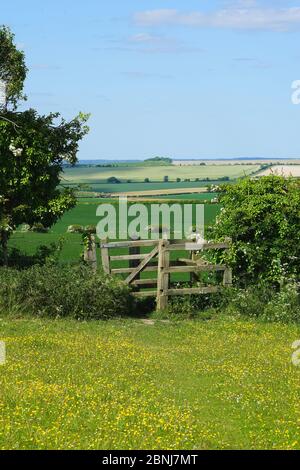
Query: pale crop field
[284,170]
[156,173]
[161,192]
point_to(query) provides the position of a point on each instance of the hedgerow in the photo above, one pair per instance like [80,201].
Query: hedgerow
[63,291]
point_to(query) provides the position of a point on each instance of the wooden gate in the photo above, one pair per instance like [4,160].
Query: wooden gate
[161,260]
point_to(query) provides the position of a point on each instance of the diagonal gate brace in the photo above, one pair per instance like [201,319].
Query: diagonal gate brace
[142,265]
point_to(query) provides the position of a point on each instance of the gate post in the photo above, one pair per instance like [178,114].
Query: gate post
[135,250]
[163,277]
[105,258]
[90,254]
[227,279]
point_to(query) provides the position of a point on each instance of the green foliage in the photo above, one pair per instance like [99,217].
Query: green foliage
[12,67]
[272,305]
[162,161]
[90,229]
[43,254]
[39,228]
[113,180]
[32,152]
[75,228]
[63,291]
[263,219]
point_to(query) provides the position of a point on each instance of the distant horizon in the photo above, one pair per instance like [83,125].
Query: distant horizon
[186,159]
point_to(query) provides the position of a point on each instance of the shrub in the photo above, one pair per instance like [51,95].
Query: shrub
[90,229]
[263,219]
[113,180]
[38,228]
[271,305]
[63,291]
[261,302]
[285,305]
[75,229]
[42,255]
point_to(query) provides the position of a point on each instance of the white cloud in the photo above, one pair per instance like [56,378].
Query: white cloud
[243,16]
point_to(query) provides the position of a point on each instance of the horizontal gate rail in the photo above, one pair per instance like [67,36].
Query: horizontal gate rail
[159,262]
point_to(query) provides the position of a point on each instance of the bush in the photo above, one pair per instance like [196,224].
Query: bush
[42,255]
[38,228]
[263,219]
[90,229]
[260,302]
[75,229]
[63,291]
[113,180]
[271,305]
[284,306]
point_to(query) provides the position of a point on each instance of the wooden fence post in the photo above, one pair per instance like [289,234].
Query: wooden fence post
[105,258]
[163,276]
[227,279]
[135,250]
[90,253]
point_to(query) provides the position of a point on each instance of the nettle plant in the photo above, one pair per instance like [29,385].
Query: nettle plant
[33,150]
[262,216]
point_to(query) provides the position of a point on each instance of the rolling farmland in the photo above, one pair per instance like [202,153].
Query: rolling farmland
[91,175]
[83,214]
[284,170]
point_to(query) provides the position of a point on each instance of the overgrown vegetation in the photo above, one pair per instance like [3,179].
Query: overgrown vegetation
[262,217]
[63,291]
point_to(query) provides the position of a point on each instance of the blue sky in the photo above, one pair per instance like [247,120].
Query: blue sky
[188,78]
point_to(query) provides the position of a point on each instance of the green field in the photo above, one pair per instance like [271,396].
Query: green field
[219,384]
[90,175]
[135,186]
[83,214]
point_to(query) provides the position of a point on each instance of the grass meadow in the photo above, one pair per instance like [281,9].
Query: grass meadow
[123,384]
